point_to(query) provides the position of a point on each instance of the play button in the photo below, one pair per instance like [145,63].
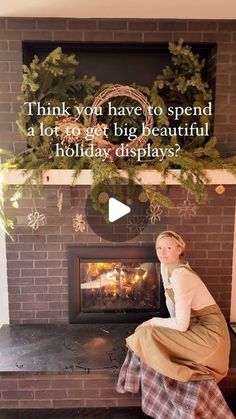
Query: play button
[117,210]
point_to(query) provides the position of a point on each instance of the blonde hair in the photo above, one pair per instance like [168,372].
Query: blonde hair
[173,235]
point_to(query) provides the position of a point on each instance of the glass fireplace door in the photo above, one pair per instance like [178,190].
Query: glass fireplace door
[114,284]
[111,286]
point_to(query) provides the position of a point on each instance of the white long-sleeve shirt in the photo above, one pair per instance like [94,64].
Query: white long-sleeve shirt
[166,283]
[189,293]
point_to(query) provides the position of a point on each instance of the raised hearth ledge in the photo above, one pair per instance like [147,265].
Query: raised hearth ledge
[146,177]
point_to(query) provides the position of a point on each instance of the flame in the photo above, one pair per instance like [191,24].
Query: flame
[119,278]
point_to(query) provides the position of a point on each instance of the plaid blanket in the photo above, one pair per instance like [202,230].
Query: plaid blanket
[165,398]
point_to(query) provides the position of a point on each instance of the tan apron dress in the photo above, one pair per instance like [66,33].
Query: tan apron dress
[202,352]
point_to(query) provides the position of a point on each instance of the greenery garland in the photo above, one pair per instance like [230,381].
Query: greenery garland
[54,81]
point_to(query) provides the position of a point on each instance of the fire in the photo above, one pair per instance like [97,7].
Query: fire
[117,285]
[116,279]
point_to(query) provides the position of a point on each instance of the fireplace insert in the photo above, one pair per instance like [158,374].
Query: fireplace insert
[114,284]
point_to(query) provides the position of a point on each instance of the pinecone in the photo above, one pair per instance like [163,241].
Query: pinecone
[66,125]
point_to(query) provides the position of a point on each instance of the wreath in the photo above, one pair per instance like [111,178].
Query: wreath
[100,141]
[54,80]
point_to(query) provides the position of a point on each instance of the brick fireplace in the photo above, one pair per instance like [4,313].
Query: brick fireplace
[37,261]
[38,300]
[38,277]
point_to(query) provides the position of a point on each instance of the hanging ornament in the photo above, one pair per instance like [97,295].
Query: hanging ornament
[220,189]
[59,200]
[35,219]
[103,197]
[79,223]
[136,223]
[15,198]
[154,213]
[187,209]
[143,197]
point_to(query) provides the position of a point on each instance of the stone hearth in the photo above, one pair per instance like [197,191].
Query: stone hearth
[69,366]
[45,362]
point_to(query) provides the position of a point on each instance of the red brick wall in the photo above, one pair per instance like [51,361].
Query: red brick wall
[37,260]
[75,389]
[52,390]
[13,31]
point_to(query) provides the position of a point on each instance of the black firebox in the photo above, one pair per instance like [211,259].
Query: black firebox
[114,284]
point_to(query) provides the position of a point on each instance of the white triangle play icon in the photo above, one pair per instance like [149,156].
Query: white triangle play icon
[116,210]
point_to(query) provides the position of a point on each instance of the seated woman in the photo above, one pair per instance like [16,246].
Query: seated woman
[179,360]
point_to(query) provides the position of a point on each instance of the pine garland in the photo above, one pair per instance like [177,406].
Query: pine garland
[54,81]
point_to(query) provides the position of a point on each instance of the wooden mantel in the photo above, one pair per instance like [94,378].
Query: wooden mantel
[146,177]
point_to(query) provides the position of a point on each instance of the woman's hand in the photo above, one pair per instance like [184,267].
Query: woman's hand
[144,324]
